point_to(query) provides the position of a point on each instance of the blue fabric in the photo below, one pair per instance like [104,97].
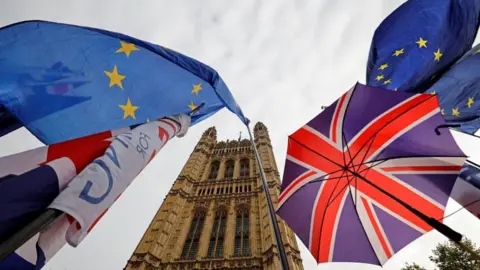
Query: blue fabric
[458,92]
[24,197]
[54,78]
[470,174]
[16,262]
[449,28]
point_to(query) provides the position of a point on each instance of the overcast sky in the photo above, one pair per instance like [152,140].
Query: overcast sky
[282,60]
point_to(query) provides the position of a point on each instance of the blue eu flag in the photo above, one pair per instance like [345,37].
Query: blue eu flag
[419,40]
[63,81]
[458,92]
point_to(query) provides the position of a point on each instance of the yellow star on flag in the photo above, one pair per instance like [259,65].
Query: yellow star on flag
[379,77]
[437,54]
[455,112]
[115,78]
[443,112]
[127,48]
[383,67]
[398,52]
[470,102]
[422,43]
[433,93]
[477,51]
[148,120]
[128,109]
[387,81]
[197,88]
[192,106]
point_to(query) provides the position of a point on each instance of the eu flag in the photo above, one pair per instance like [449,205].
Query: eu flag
[63,81]
[458,92]
[419,40]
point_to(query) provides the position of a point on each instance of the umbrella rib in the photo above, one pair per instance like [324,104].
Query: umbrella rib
[456,211]
[323,180]
[345,186]
[372,139]
[393,119]
[361,162]
[418,156]
[325,157]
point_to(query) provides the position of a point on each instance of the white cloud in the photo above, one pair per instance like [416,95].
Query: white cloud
[281,59]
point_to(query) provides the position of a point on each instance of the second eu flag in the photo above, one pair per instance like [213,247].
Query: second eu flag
[419,40]
[63,81]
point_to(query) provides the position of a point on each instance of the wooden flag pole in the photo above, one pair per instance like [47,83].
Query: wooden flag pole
[273,219]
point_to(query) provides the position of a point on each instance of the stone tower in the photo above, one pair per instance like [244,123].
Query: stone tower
[215,216]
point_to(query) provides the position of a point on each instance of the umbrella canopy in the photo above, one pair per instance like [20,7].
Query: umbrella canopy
[341,164]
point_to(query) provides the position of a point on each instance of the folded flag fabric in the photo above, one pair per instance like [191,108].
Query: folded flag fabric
[419,40]
[85,196]
[42,173]
[458,92]
[63,81]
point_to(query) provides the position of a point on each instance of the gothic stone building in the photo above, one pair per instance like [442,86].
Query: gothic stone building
[215,216]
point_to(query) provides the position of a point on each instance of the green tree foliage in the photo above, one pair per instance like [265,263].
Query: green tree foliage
[413,266]
[449,256]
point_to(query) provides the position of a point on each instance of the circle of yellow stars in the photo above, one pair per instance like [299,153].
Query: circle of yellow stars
[116,79]
[437,55]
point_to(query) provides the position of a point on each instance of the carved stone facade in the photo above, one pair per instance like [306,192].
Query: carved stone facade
[215,216]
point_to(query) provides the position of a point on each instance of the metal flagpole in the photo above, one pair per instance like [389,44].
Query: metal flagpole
[273,219]
[27,232]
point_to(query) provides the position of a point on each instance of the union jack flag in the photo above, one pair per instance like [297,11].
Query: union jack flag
[388,138]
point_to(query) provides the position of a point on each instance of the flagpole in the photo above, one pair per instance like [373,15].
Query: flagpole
[27,232]
[273,219]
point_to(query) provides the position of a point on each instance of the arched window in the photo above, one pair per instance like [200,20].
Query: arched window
[244,168]
[229,166]
[214,170]
[242,234]
[191,244]
[215,247]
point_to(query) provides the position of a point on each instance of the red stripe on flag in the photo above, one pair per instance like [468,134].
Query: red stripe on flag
[162,133]
[390,124]
[394,206]
[330,220]
[292,185]
[174,127]
[319,217]
[376,227]
[80,151]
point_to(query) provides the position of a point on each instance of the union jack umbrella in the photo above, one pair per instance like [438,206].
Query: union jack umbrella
[343,164]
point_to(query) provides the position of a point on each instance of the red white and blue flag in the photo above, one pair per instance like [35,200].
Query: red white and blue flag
[81,177]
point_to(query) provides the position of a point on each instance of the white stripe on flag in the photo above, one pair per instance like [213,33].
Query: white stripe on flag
[95,189]
[20,163]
